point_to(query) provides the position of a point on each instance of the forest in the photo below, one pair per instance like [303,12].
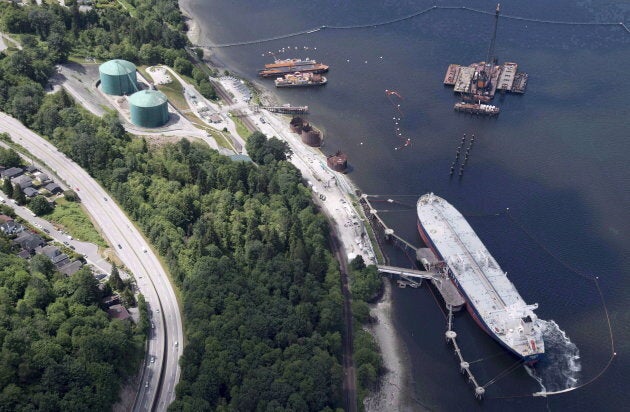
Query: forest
[242,241]
[58,348]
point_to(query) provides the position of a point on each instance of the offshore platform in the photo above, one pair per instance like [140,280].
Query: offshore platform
[478,83]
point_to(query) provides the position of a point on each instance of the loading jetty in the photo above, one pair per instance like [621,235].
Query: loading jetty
[434,271]
[286,109]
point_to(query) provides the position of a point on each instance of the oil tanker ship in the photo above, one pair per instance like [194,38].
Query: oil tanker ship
[491,298]
[282,67]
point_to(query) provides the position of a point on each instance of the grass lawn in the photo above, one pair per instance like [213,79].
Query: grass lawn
[174,91]
[240,127]
[75,221]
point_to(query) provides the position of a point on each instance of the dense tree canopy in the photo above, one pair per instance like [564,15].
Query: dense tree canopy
[244,242]
[9,158]
[40,205]
[58,349]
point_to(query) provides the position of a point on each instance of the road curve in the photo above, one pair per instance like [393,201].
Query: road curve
[165,343]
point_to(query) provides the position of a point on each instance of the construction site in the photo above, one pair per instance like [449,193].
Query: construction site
[477,83]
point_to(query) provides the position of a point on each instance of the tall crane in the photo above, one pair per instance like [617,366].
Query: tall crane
[485,76]
[490,58]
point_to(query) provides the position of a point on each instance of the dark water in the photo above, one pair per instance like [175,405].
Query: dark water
[557,157]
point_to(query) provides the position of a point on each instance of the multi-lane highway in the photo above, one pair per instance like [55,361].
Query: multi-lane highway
[165,344]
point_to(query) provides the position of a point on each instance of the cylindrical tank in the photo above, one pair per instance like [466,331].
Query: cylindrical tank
[311,136]
[338,162]
[296,124]
[149,108]
[118,77]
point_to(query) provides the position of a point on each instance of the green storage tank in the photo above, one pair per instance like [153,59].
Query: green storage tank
[149,108]
[118,77]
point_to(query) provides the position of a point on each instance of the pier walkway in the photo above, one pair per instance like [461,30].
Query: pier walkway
[286,109]
[412,273]
[436,271]
[451,336]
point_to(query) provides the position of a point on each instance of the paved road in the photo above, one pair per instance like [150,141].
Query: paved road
[165,343]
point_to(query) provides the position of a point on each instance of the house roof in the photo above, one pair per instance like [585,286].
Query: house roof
[111,300]
[24,254]
[29,241]
[60,260]
[5,218]
[30,192]
[118,312]
[71,268]
[11,227]
[50,251]
[23,180]
[12,172]
[51,187]
[240,158]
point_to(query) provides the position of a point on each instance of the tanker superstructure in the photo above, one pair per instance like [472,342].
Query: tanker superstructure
[492,300]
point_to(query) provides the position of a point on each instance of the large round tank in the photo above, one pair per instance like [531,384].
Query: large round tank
[311,136]
[149,108]
[118,77]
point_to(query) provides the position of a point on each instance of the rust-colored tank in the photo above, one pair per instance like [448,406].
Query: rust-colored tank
[338,162]
[296,124]
[311,136]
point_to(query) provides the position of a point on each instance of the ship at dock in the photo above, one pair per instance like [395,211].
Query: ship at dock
[300,80]
[477,108]
[491,298]
[282,67]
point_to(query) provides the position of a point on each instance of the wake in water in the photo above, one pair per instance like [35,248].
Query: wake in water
[559,370]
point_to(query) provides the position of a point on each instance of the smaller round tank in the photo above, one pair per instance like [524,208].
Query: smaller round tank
[149,108]
[338,162]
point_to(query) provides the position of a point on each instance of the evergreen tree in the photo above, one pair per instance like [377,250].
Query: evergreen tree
[7,187]
[18,195]
[114,280]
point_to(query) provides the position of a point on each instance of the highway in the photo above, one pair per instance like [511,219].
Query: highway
[165,344]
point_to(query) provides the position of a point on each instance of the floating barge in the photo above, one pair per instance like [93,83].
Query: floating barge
[468,80]
[282,67]
[301,80]
[479,82]
[477,108]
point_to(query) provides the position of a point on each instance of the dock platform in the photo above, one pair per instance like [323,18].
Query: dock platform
[435,270]
[451,74]
[287,109]
[520,82]
[504,77]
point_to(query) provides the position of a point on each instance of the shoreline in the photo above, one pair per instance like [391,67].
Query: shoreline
[393,384]
[390,395]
